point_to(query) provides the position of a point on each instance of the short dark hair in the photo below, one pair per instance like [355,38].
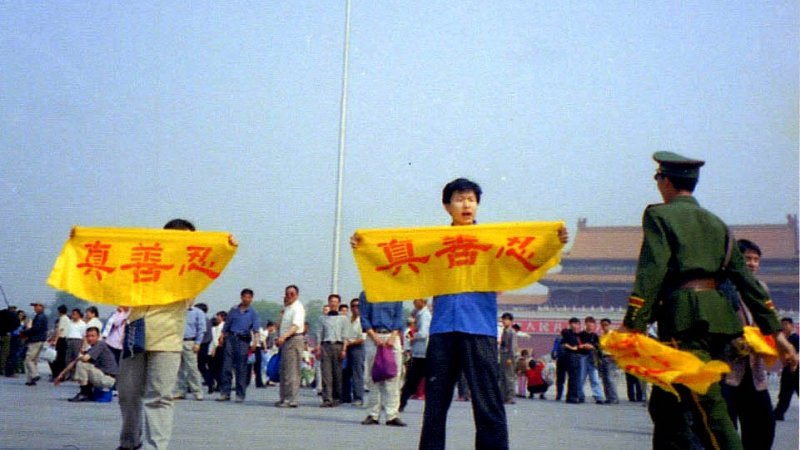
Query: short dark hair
[246,291]
[202,307]
[516,327]
[93,310]
[222,314]
[748,246]
[297,289]
[95,329]
[682,183]
[270,323]
[62,309]
[589,319]
[338,297]
[78,310]
[574,320]
[605,319]
[460,185]
[179,224]
[343,306]
[507,315]
[788,319]
[355,300]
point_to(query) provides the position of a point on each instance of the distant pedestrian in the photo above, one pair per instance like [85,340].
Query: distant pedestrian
[36,337]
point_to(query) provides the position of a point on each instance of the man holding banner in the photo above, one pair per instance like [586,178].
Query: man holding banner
[157,273]
[462,267]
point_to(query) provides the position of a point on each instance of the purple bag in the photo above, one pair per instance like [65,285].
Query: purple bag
[385,367]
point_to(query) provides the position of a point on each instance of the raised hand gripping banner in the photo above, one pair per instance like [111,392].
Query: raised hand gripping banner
[408,263]
[139,267]
[660,364]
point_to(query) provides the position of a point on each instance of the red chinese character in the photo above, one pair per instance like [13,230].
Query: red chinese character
[198,261]
[400,253]
[462,250]
[516,249]
[96,259]
[145,263]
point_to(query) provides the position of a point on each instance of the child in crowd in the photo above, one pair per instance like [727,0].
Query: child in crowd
[536,381]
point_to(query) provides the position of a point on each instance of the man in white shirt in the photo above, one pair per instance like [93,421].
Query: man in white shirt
[76,331]
[290,342]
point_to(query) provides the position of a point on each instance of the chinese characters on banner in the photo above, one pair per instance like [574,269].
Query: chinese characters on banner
[139,267]
[403,264]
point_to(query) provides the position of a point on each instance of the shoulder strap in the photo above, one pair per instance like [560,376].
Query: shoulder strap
[728,249]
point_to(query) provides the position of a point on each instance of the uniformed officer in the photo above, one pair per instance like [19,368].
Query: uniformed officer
[686,252]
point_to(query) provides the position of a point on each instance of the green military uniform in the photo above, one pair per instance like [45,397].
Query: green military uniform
[680,266]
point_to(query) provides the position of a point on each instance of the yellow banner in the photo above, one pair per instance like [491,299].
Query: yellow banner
[661,364]
[139,267]
[408,263]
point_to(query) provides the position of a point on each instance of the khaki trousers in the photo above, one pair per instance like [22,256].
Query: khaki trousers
[145,384]
[87,373]
[32,360]
[189,372]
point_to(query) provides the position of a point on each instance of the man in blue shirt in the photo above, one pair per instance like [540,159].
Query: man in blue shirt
[239,335]
[383,324]
[463,338]
[194,332]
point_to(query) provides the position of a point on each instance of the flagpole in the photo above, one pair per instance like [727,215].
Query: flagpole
[337,227]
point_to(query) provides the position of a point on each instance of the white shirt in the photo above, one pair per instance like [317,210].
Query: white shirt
[76,330]
[95,322]
[63,324]
[216,332]
[293,314]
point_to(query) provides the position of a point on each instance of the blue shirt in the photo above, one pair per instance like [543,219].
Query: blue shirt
[383,315]
[467,312]
[195,327]
[241,323]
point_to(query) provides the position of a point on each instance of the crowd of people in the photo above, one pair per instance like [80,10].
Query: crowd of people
[155,355]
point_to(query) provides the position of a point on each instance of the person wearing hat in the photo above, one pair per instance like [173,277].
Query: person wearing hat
[686,252]
[36,336]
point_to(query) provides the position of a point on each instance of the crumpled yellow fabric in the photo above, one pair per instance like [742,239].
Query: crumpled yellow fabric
[660,364]
[763,346]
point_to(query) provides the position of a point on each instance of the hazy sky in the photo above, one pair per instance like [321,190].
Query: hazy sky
[132,113]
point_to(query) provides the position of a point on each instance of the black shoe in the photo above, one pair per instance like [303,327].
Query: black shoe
[541,396]
[396,422]
[36,378]
[30,383]
[370,421]
[80,398]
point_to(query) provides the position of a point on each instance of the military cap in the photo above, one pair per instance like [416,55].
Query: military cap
[674,165]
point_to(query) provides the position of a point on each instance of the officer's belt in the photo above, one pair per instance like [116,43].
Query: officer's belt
[700,284]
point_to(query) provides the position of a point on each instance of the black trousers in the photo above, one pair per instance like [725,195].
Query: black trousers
[562,364]
[204,365]
[635,393]
[61,357]
[448,355]
[574,387]
[257,368]
[789,383]
[416,373]
[752,410]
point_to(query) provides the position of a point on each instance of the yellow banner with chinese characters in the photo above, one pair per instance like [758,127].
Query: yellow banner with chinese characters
[139,267]
[409,263]
[661,364]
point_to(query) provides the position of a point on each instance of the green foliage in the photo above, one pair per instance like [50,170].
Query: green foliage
[267,310]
